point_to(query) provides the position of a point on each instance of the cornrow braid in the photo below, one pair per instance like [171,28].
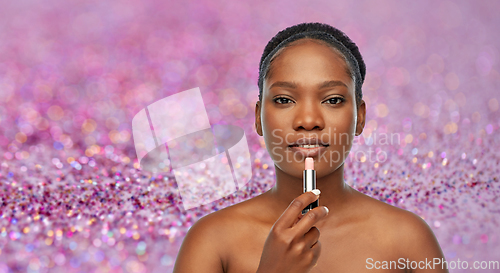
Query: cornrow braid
[322,32]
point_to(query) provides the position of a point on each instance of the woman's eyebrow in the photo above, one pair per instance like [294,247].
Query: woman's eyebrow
[292,85]
[283,84]
[331,84]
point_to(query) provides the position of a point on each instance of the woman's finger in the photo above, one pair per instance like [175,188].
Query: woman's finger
[289,216]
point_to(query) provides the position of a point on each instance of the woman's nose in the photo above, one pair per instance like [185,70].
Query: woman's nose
[308,117]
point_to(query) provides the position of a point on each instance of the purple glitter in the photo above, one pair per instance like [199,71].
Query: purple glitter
[73,75]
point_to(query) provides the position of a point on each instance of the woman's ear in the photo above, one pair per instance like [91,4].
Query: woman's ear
[258,124]
[361,118]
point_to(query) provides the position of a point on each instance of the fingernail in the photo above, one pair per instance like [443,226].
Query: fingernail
[316,191]
[327,210]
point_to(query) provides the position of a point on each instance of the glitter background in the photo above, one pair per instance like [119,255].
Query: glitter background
[74,73]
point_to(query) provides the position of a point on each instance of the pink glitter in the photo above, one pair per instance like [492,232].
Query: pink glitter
[73,75]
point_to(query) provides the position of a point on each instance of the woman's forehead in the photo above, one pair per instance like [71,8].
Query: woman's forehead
[308,61]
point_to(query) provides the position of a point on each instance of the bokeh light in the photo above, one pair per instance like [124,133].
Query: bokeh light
[74,73]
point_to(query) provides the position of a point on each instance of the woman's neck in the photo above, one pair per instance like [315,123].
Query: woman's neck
[334,191]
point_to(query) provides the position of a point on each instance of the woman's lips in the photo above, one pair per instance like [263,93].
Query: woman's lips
[308,152]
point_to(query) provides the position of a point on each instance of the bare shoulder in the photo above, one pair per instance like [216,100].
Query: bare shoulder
[394,217]
[408,232]
[200,249]
[219,226]
[214,237]
[223,220]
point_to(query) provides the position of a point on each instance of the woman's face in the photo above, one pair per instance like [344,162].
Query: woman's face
[308,98]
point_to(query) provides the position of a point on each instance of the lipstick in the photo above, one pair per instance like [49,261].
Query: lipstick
[309,182]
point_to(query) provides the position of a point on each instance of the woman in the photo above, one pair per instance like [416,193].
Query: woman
[310,94]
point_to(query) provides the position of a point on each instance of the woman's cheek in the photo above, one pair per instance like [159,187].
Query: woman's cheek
[272,132]
[275,148]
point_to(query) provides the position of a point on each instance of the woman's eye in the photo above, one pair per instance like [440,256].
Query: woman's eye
[335,100]
[282,100]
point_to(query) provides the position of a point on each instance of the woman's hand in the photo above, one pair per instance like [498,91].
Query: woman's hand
[292,244]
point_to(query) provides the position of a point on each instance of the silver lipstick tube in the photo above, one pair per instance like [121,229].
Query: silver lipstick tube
[309,184]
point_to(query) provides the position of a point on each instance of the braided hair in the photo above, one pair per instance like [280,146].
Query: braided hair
[333,37]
